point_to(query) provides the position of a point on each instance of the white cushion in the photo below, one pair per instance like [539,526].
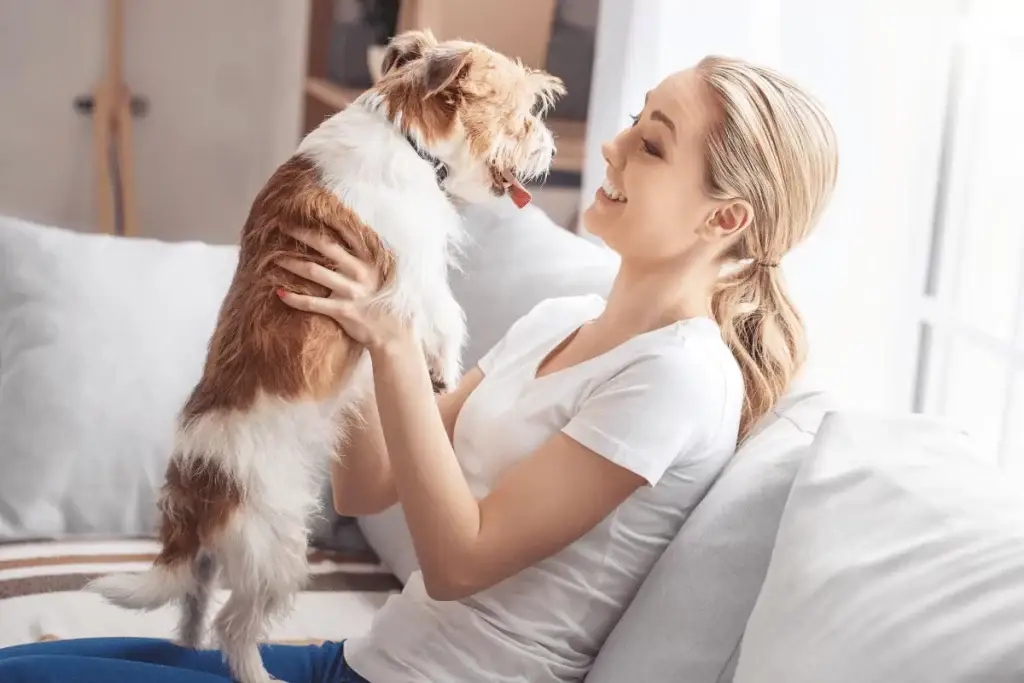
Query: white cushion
[515,259]
[687,620]
[101,339]
[900,557]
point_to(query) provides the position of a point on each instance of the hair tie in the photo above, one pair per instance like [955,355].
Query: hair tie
[766,264]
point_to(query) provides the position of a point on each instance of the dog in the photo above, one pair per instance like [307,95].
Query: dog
[447,123]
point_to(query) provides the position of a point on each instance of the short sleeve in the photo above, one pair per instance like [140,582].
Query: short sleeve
[652,412]
[490,360]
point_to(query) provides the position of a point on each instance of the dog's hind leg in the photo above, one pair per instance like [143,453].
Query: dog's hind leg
[196,603]
[240,625]
[265,563]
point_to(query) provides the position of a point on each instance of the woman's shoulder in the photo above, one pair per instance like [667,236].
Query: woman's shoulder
[685,357]
[686,367]
[691,347]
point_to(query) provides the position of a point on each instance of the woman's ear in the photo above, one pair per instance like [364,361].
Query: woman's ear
[730,218]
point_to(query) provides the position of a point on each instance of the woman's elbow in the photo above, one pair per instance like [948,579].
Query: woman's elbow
[445,591]
[359,505]
[450,586]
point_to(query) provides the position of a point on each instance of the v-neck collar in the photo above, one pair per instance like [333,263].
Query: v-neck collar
[549,352]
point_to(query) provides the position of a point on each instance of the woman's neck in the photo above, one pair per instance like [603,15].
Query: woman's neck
[645,297]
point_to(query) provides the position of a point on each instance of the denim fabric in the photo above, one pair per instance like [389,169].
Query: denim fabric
[119,660]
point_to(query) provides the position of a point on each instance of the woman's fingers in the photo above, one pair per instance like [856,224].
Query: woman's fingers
[333,308]
[314,272]
[346,313]
[346,263]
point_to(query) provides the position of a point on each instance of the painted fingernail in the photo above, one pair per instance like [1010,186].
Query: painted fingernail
[281,293]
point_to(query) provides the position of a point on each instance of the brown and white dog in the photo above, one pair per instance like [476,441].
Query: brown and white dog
[447,122]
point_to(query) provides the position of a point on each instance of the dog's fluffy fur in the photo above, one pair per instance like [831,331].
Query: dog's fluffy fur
[279,385]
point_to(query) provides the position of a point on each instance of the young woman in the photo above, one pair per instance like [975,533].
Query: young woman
[540,492]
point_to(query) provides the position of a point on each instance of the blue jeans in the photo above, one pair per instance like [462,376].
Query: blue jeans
[126,660]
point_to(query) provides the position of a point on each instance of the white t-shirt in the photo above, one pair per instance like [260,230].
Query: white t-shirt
[665,404]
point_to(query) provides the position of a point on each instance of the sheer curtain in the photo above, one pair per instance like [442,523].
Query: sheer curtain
[881,69]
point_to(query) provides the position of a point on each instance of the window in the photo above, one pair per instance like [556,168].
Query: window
[971,345]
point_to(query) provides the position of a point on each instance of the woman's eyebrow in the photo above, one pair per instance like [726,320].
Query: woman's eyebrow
[658,115]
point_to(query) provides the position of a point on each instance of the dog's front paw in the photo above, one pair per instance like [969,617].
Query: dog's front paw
[438,378]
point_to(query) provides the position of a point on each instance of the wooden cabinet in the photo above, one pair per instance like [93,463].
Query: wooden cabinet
[223,80]
[50,52]
[222,83]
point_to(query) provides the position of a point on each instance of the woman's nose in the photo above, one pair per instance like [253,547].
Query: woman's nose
[610,150]
[606,151]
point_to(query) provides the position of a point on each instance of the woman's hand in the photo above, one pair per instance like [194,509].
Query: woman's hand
[353,286]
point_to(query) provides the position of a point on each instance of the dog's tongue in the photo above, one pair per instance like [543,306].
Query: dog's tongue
[519,194]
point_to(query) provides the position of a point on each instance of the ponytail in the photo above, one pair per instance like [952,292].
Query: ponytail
[773,147]
[765,333]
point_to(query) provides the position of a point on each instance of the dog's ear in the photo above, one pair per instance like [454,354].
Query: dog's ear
[547,88]
[444,68]
[406,47]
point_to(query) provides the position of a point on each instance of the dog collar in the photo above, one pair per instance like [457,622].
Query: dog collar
[440,168]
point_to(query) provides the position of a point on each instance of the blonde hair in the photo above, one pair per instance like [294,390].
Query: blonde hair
[772,146]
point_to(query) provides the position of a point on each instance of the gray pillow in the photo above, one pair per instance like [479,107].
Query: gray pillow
[687,620]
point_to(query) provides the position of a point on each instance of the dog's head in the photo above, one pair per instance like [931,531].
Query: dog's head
[474,109]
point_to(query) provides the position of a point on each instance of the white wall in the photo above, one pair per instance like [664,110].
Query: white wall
[878,67]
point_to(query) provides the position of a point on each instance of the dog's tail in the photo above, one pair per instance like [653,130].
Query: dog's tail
[148,590]
[188,583]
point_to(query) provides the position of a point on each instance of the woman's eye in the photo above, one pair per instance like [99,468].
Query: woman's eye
[635,118]
[651,149]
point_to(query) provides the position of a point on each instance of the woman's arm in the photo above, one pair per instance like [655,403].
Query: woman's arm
[362,482]
[540,505]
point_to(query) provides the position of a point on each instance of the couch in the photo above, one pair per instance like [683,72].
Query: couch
[796,566]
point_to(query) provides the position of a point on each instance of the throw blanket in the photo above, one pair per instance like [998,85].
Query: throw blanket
[41,596]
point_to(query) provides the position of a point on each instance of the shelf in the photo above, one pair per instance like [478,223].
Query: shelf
[331,94]
[570,136]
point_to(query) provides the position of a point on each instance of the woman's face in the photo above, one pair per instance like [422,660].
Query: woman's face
[652,205]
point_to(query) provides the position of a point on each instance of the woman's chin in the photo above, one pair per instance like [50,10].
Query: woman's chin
[591,221]
[598,220]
